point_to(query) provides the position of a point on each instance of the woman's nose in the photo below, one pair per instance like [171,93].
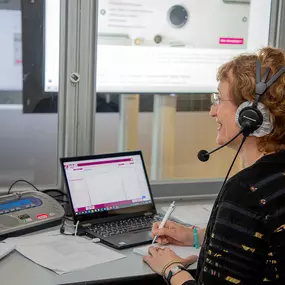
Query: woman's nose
[213,111]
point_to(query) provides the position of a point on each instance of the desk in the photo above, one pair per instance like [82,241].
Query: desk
[16,269]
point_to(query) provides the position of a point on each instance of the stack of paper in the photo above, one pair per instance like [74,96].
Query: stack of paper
[5,249]
[197,215]
[61,253]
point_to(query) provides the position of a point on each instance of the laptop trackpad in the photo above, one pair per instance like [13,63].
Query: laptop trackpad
[131,239]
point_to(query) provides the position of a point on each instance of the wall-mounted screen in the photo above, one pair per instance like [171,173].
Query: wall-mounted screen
[11,50]
[51,31]
[164,46]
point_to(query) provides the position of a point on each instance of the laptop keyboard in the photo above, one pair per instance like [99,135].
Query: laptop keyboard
[125,226]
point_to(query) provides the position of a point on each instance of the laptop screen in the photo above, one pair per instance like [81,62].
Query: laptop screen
[100,184]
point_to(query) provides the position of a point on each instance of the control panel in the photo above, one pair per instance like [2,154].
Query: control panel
[28,211]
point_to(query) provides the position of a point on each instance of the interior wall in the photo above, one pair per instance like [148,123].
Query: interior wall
[28,146]
[194,131]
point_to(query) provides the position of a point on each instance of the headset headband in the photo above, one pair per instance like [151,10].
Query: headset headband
[261,85]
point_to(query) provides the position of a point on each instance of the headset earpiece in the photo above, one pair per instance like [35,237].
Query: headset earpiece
[250,118]
[257,121]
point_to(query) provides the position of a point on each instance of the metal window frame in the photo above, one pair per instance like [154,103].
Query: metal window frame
[77,104]
[277,35]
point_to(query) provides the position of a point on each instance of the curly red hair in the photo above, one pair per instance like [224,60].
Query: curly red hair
[242,70]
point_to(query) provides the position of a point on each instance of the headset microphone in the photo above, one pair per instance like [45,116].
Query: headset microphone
[252,117]
[204,155]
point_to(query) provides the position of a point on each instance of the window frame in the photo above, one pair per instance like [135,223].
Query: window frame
[77,104]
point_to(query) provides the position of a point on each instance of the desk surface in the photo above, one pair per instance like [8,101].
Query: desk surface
[16,269]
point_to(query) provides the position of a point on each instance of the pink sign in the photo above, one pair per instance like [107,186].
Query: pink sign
[231,41]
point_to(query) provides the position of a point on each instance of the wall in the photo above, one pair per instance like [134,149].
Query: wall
[28,146]
[194,131]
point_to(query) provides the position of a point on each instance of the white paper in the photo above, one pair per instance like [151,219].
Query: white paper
[182,251]
[61,253]
[5,249]
[197,215]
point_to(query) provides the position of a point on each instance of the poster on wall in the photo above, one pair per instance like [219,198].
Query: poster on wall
[164,46]
[10,50]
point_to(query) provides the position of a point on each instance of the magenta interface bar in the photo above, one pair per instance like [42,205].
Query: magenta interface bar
[104,162]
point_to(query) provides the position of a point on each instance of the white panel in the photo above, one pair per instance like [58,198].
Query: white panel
[10,50]
[259,25]
[141,50]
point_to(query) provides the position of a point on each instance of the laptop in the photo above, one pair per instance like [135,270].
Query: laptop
[111,198]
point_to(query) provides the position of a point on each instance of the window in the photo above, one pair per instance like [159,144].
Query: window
[153,81]
[11,54]
[28,147]
[170,51]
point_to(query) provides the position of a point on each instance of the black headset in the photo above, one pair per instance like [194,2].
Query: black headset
[250,118]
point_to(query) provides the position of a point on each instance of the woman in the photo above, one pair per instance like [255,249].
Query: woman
[244,242]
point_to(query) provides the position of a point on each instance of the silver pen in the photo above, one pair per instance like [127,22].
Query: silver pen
[165,218]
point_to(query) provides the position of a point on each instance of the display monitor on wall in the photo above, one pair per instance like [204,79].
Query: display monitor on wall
[164,46]
[10,50]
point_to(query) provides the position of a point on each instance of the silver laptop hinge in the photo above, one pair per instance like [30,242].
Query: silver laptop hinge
[148,214]
[85,225]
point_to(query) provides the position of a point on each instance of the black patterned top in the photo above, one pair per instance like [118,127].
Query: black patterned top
[245,237]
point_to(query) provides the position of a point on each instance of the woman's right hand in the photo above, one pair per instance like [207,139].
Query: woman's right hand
[173,233]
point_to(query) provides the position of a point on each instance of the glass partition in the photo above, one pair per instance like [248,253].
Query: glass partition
[28,147]
[156,68]
[170,50]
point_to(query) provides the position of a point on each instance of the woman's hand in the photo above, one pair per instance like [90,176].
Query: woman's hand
[159,257]
[173,233]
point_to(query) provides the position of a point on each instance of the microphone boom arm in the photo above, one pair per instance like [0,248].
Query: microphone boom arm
[203,155]
[239,133]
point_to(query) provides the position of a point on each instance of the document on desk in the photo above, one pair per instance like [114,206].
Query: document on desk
[182,251]
[61,253]
[197,215]
[5,249]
